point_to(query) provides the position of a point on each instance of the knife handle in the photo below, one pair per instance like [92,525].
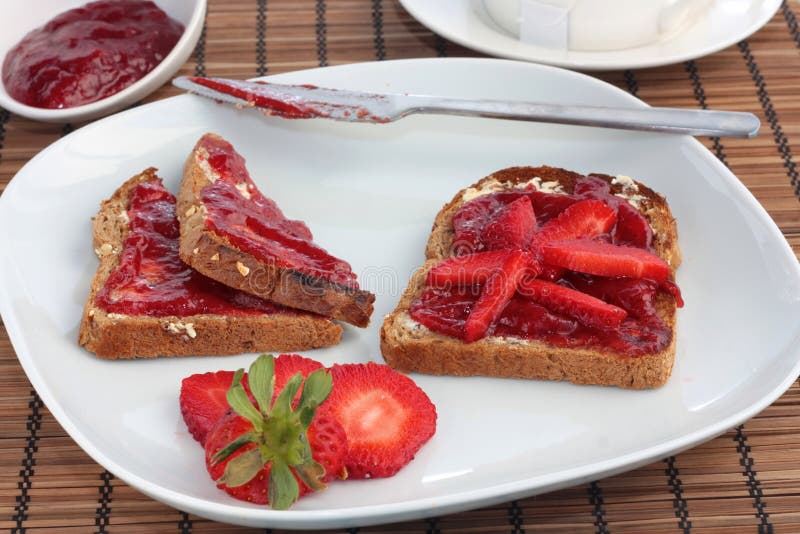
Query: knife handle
[671,120]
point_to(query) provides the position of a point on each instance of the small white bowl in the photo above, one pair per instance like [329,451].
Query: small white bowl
[20,17]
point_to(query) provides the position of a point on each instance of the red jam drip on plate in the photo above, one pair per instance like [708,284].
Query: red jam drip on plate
[152,280]
[88,53]
[642,332]
[257,226]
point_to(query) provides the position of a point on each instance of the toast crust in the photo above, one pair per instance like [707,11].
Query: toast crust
[216,257]
[411,347]
[114,336]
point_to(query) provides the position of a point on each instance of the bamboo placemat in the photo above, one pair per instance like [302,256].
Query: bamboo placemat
[747,480]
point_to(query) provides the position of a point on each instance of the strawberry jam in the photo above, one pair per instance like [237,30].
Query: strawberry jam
[642,332]
[89,53]
[590,230]
[253,223]
[152,280]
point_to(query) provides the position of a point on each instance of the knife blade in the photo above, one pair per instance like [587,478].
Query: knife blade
[309,101]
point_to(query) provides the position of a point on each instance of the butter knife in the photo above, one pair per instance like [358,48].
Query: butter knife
[308,101]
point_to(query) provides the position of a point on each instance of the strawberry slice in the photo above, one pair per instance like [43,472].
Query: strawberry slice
[604,259]
[585,308]
[547,206]
[496,293]
[632,228]
[203,402]
[511,227]
[584,219]
[473,268]
[385,415]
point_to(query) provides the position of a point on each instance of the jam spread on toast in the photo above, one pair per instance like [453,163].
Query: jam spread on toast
[89,53]
[152,280]
[572,270]
[238,211]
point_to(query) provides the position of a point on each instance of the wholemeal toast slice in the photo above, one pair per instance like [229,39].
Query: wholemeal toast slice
[412,347]
[145,302]
[234,234]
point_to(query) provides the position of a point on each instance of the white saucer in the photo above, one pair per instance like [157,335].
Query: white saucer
[467,23]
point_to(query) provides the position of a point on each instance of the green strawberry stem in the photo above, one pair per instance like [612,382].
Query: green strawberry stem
[279,431]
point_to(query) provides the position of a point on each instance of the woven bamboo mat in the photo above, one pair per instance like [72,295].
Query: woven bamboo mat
[747,480]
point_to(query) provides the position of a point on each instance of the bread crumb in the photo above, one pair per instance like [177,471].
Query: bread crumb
[243,269]
[115,316]
[91,312]
[123,215]
[190,330]
[195,250]
[191,210]
[104,250]
[215,257]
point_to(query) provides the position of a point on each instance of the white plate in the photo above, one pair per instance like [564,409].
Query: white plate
[18,19]
[370,192]
[466,22]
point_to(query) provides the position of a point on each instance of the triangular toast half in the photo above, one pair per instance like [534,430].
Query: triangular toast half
[234,234]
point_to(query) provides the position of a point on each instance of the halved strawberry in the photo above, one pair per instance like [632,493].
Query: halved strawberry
[203,402]
[261,451]
[603,259]
[385,415]
[495,294]
[473,268]
[510,227]
[584,219]
[587,309]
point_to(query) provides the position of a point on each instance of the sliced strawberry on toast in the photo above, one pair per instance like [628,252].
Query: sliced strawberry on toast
[144,301]
[587,309]
[475,268]
[511,227]
[495,294]
[233,233]
[604,259]
[583,219]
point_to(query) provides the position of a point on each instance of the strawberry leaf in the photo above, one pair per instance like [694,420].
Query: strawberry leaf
[283,487]
[242,469]
[261,377]
[233,446]
[311,473]
[283,404]
[240,402]
[316,389]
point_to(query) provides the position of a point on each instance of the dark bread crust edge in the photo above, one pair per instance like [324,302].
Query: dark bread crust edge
[114,336]
[414,348]
[216,257]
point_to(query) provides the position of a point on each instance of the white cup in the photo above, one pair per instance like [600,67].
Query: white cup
[594,25]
